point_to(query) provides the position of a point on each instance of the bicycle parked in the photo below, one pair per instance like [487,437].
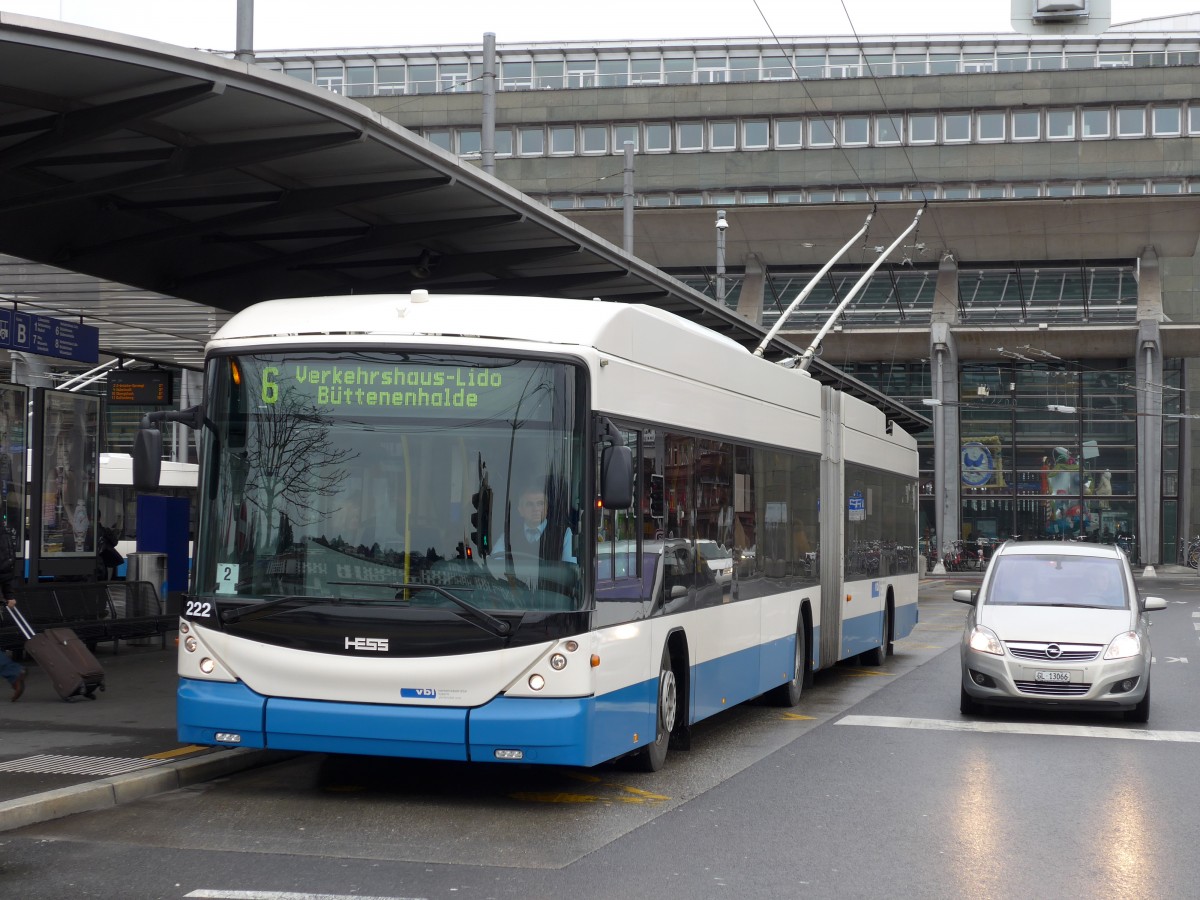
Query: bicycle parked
[1189,552]
[966,556]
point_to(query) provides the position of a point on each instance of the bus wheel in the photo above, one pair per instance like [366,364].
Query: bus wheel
[652,757]
[876,656]
[788,693]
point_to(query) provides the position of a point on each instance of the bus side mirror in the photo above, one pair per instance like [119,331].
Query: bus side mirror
[147,458]
[147,444]
[616,477]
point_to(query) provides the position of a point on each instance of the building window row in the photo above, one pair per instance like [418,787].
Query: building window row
[365,76]
[823,132]
[866,194]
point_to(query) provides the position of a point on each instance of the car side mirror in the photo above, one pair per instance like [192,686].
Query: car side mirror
[1149,603]
[965,596]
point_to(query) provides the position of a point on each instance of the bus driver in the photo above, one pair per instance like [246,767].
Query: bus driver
[537,537]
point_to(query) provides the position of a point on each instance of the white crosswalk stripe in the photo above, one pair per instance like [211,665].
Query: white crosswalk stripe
[208,894]
[968,725]
[58,764]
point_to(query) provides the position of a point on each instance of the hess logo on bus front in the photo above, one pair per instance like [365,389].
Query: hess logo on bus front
[363,643]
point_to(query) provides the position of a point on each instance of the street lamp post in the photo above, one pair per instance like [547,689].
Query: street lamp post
[722,224]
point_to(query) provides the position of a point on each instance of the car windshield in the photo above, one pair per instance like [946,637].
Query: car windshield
[1054,580]
[710,551]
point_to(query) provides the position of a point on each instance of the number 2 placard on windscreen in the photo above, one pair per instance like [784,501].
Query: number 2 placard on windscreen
[227,578]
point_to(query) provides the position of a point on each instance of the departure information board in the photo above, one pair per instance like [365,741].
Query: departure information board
[147,387]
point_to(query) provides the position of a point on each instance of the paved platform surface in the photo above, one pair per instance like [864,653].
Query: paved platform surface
[59,758]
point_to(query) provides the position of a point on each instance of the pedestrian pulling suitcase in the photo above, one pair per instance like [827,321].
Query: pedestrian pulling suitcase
[72,668]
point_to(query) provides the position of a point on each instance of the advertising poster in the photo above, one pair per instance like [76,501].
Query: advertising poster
[70,457]
[13,445]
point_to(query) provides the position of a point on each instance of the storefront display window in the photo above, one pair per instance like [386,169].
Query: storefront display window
[1049,451]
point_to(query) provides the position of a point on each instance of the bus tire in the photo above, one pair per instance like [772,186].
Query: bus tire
[877,656]
[651,757]
[789,693]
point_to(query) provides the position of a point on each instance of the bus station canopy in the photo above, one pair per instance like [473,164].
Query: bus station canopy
[152,191]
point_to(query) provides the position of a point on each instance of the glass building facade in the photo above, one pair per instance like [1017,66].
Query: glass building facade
[1048,450]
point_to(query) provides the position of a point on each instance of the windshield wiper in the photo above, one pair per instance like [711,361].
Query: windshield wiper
[498,626]
[233,615]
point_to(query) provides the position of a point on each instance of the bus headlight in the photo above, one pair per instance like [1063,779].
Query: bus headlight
[207,665]
[190,644]
[536,682]
[558,662]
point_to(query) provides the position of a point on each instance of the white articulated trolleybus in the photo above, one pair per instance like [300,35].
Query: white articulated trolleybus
[523,529]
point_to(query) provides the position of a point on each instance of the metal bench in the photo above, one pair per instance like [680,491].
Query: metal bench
[96,611]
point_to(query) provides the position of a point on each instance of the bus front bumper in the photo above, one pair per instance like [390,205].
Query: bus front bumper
[547,731]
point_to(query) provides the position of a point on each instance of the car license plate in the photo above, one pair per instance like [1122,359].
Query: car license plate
[1059,677]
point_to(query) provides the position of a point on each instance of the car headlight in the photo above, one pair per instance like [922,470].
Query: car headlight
[1124,645]
[985,641]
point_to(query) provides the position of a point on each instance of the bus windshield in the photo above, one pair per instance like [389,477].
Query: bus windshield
[385,478]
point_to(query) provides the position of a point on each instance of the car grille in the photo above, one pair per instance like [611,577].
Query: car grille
[1069,652]
[1046,689]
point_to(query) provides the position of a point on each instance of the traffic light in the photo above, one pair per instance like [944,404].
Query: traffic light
[656,496]
[481,520]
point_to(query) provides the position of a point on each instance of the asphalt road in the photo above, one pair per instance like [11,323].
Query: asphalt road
[874,785]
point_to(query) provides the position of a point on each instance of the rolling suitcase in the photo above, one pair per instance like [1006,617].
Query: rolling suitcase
[72,668]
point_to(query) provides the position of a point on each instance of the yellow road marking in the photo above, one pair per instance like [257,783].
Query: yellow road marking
[866,673]
[554,797]
[647,795]
[628,794]
[796,717]
[178,751]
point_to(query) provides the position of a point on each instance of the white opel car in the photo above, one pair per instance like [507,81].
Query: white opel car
[1060,624]
[720,560]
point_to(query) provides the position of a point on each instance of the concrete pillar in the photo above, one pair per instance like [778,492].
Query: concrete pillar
[750,300]
[945,297]
[1148,365]
[1184,487]
[488,123]
[943,361]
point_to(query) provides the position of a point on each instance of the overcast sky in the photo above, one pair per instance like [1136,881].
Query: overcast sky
[293,24]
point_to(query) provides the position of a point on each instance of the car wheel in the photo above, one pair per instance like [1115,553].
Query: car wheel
[788,693]
[1141,712]
[876,656]
[652,757]
[966,703]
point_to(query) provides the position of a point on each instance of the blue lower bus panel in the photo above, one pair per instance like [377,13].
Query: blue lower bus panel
[564,731]
[206,709]
[554,731]
[233,715]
